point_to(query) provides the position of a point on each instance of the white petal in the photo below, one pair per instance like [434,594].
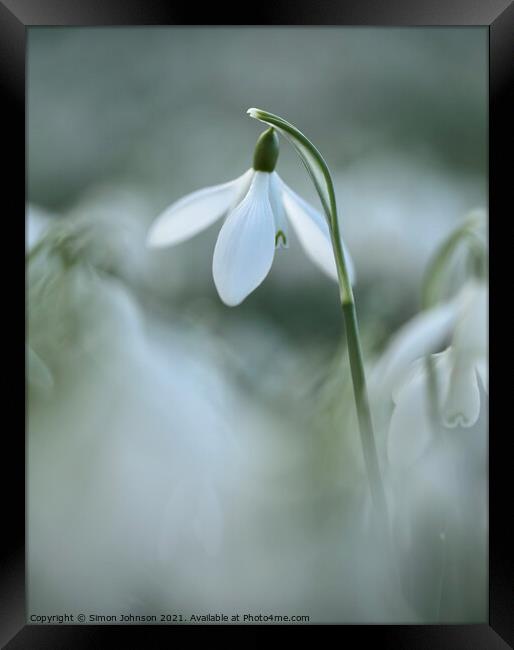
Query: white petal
[470,337]
[410,429]
[277,206]
[462,406]
[417,338]
[415,373]
[482,367]
[246,244]
[313,233]
[196,211]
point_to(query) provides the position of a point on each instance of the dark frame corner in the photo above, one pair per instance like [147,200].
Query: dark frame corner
[498,15]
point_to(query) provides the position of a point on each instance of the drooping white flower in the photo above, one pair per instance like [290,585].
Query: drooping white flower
[258,207]
[404,369]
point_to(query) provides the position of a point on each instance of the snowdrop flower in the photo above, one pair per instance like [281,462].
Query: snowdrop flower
[455,371]
[258,206]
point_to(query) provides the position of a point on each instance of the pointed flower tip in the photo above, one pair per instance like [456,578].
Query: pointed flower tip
[253,112]
[155,239]
[230,303]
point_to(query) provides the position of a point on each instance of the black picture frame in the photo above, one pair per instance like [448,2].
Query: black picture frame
[498,15]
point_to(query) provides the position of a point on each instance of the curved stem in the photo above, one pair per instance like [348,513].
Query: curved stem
[314,162]
[438,265]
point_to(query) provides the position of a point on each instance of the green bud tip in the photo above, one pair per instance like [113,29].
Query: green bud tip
[266,151]
[280,236]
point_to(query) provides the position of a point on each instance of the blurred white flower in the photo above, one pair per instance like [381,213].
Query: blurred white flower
[75,309]
[138,415]
[405,369]
[115,214]
[259,205]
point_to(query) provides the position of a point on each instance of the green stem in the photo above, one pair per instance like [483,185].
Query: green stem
[438,265]
[433,392]
[322,179]
[360,390]
[363,410]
